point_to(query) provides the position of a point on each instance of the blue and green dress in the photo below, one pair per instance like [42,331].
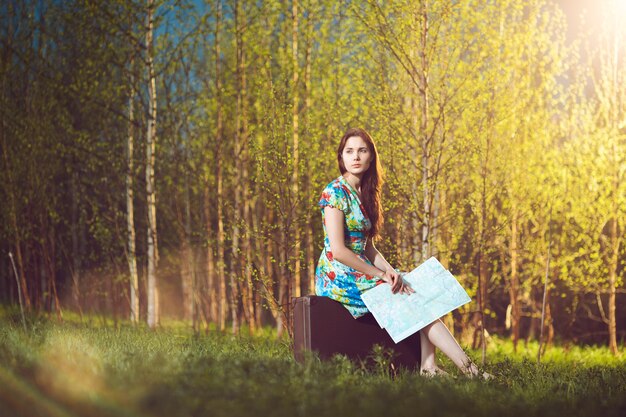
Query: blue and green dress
[332,278]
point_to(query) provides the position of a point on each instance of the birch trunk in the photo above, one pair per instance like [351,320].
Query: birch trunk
[310,245]
[514,279]
[296,153]
[615,234]
[234,272]
[283,282]
[130,206]
[211,283]
[482,263]
[443,239]
[152,248]
[613,264]
[263,249]
[248,287]
[423,77]
[221,276]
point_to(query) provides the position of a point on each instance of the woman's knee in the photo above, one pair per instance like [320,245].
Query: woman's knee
[429,326]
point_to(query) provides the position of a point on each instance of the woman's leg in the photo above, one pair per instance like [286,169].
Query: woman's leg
[428,353]
[428,364]
[438,335]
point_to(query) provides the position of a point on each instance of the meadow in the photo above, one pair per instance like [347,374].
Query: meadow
[95,368]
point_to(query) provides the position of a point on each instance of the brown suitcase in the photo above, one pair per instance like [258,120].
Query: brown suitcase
[325,326]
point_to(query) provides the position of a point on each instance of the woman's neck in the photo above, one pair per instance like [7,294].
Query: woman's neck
[354,181]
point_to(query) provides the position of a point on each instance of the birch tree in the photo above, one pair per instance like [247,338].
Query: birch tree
[130,205]
[151,138]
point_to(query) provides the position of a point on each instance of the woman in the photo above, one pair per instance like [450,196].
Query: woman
[350,263]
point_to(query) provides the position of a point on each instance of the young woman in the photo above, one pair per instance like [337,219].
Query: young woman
[350,263]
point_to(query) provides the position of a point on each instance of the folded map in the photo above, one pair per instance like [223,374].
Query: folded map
[437,292]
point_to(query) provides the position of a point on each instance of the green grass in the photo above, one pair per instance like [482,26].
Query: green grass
[95,369]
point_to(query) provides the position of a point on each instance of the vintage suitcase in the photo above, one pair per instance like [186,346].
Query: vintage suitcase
[323,325]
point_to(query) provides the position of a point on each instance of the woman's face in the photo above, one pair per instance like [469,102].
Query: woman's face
[356,156]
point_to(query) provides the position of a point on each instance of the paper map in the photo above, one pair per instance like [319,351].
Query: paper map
[437,293]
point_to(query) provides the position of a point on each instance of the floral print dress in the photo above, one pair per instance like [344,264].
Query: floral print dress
[332,278]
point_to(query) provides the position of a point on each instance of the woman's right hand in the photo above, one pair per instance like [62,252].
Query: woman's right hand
[393,278]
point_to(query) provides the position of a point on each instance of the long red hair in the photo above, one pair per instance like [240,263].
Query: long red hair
[371,183]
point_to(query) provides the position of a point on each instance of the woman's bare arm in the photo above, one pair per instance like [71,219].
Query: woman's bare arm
[376,257]
[334,227]
[334,219]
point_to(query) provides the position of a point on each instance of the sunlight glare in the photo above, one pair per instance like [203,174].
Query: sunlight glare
[616,8]
[620,6]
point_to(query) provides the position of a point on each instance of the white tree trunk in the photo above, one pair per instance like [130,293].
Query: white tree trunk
[423,76]
[130,208]
[220,193]
[295,291]
[153,300]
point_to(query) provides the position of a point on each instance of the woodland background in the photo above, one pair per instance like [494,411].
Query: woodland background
[164,158]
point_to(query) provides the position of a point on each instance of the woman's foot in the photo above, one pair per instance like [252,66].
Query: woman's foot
[472,371]
[433,372]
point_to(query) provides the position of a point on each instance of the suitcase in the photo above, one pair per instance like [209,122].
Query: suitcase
[326,327]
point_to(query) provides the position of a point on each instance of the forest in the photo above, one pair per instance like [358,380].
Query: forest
[164,158]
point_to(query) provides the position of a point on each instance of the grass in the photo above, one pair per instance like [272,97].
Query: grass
[73,369]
